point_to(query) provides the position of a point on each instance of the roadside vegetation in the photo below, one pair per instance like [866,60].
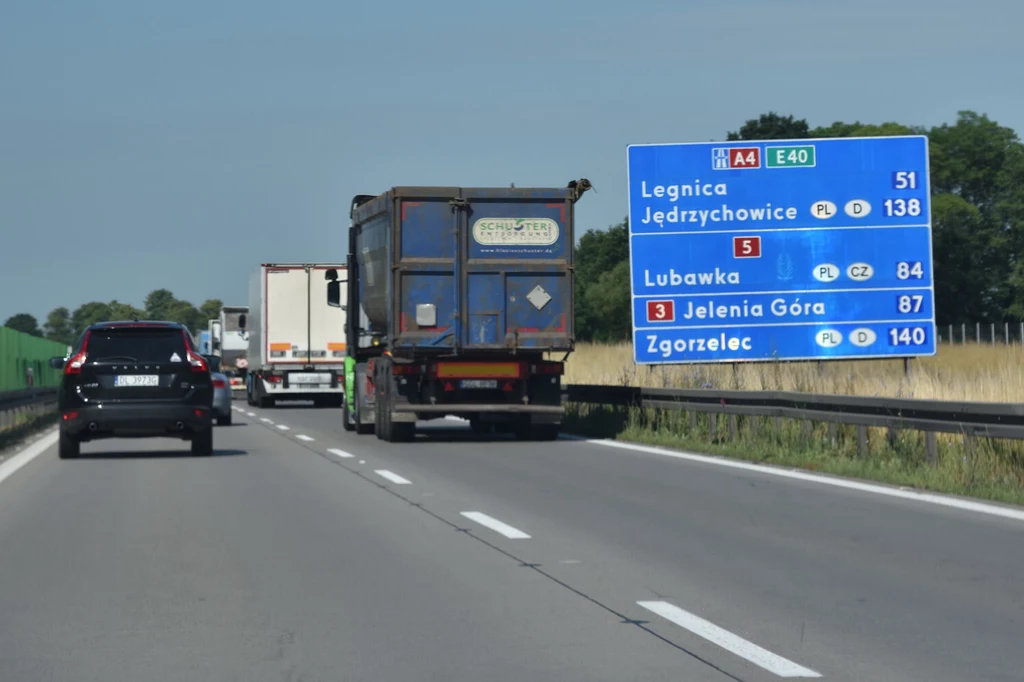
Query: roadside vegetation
[983,468]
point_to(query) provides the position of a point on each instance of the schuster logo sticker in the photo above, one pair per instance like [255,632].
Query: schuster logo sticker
[515,231]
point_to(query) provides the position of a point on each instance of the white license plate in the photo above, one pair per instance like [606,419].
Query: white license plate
[136,380]
[478,383]
[309,378]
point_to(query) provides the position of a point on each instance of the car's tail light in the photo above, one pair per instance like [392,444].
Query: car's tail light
[272,379]
[74,364]
[68,416]
[194,359]
[219,383]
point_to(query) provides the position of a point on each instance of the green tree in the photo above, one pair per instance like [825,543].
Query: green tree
[125,311]
[25,323]
[87,314]
[608,300]
[598,252]
[58,326]
[211,309]
[772,126]
[159,304]
[187,314]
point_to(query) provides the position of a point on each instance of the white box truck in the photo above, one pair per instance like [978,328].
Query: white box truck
[296,340]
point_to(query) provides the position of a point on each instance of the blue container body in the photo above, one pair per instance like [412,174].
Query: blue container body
[460,271]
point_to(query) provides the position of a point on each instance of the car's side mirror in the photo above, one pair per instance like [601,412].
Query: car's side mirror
[56,363]
[241,321]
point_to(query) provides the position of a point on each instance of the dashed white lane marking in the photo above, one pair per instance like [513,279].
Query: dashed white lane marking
[928,498]
[340,453]
[362,461]
[496,525]
[304,437]
[282,427]
[392,476]
[728,641]
[23,457]
[265,420]
[250,414]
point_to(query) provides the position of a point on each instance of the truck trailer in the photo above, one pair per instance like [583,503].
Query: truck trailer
[454,297]
[296,344]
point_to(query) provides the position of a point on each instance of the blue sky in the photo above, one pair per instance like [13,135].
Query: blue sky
[178,145]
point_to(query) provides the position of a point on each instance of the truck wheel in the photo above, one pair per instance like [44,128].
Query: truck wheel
[346,418]
[401,432]
[479,427]
[537,432]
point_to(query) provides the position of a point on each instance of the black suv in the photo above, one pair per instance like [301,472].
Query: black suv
[135,380]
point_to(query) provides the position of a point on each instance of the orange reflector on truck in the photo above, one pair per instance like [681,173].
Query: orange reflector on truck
[280,346]
[335,346]
[478,370]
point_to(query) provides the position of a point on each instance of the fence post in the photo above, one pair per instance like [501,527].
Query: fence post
[951,339]
[963,332]
[1006,331]
[977,332]
[993,333]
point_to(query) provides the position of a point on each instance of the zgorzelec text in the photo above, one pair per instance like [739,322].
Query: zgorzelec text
[697,344]
[725,214]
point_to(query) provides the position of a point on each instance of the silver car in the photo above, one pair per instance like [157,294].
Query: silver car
[222,395]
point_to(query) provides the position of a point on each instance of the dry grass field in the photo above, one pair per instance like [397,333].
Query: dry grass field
[971,372]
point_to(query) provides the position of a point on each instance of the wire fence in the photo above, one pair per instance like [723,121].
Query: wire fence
[993,333]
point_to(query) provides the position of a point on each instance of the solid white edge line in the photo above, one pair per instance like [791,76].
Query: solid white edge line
[496,525]
[929,498]
[392,476]
[282,427]
[733,643]
[304,437]
[340,453]
[26,455]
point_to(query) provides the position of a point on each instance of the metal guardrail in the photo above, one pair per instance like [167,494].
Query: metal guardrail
[10,400]
[992,420]
[32,401]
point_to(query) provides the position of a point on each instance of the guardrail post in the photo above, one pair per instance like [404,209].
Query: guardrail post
[862,441]
[712,425]
[693,422]
[832,432]
[732,427]
[931,449]
[806,427]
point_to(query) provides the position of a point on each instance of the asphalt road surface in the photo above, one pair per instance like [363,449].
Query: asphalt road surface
[302,552]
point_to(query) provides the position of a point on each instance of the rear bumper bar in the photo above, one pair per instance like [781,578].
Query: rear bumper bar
[454,408]
[173,420]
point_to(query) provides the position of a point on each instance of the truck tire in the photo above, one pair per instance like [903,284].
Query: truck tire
[346,417]
[537,432]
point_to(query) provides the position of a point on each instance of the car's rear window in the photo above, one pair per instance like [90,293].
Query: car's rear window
[137,345]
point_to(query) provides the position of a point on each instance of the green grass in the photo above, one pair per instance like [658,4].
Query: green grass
[25,427]
[982,468]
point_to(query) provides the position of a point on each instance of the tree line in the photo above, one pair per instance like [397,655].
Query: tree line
[977,185]
[66,326]
[977,182]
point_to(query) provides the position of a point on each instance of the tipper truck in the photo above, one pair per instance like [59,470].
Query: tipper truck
[296,342]
[454,296]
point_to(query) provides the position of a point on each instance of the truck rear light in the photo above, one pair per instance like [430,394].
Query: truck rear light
[411,368]
[478,370]
[548,368]
[272,379]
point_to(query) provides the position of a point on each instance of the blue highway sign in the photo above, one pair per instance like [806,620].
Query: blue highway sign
[817,249]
